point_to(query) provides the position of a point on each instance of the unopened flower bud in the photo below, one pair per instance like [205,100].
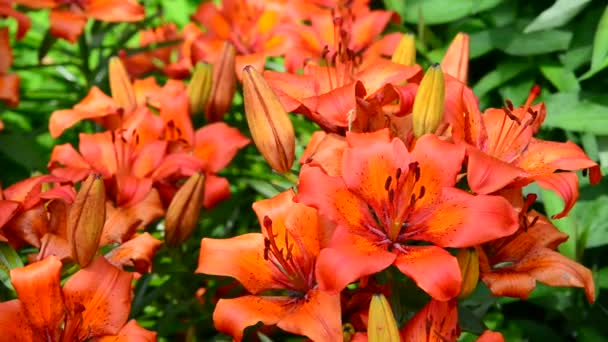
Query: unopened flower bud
[184,210]
[468,260]
[86,219]
[200,86]
[427,112]
[121,86]
[269,123]
[456,60]
[405,53]
[381,326]
[224,84]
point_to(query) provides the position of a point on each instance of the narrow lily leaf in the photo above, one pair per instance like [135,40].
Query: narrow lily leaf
[436,11]
[560,13]
[535,43]
[9,259]
[45,46]
[599,56]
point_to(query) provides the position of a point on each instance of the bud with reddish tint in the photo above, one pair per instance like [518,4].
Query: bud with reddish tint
[86,218]
[120,85]
[224,84]
[184,210]
[269,123]
[456,60]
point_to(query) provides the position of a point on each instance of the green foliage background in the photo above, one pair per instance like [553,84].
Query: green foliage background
[561,45]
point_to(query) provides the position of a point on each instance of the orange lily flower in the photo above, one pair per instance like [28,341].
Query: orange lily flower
[282,257]
[512,265]
[502,151]
[436,322]
[253,27]
[388,197]
[68,17]
[95,302]
[328,28]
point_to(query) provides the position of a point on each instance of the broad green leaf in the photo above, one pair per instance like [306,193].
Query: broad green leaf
[535,43]
[29,155]
[440,12]
[481,43]
[592,218]
[562,78]
[398,6]
[9,259]
[590,145]
[567,112]
[576,57]
[601,278]
[560,13]
[502,73]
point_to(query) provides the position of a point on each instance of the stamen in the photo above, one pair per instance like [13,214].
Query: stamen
[387,183]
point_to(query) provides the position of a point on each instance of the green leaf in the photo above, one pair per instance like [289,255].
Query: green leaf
[47,42]
[28,155]
[9,259]
[599,57]
[567,112]
[481,43]
[500,75]
[560,13]
[398,6]
[563,79]
[438,12]
[576,57]
[535,43]
[553,205]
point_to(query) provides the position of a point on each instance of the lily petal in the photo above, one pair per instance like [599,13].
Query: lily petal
[436,322]
[218,143]
[444,282]
[105,293]
[240,257]
[67,24]
[487,174]
[565,184]
[137,252]
[131,332]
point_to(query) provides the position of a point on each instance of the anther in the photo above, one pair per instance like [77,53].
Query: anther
[509,104]
[422,192]
[387,183]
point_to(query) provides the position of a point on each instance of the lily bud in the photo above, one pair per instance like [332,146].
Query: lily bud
[427,111]
[456,60]
[381,326]
[200,87]
[121,86]
[405,53]
[86,219]
[468,260]
[270,126]
[224,84]
[184,210]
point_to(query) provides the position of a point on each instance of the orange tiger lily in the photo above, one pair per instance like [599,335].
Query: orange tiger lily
[512,265]
[388,197]
[502,151]
[9,83]
[68,17]
[435,322]
[95,302]
[280,260]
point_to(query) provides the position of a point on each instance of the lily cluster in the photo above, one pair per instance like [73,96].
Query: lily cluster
[405,171]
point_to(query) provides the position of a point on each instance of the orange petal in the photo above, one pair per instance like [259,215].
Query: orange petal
[137,252]
[456,59]
[105,293]
[459,219]
[23,21]
[9,89]
[14,323]
[565,184]
[490,336]
[7,210]
[218,143]
[240,257]
[487,174]
[67,24]
[217,189]
[115,10]
[543,157]
[436,322]
[325,151]
[54,245]
[297,219]
[38,289]
[350,258]
[317,317]
[443,283]
[131,332]
[368,27]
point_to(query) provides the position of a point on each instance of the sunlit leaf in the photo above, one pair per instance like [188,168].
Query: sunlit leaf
[560,13]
